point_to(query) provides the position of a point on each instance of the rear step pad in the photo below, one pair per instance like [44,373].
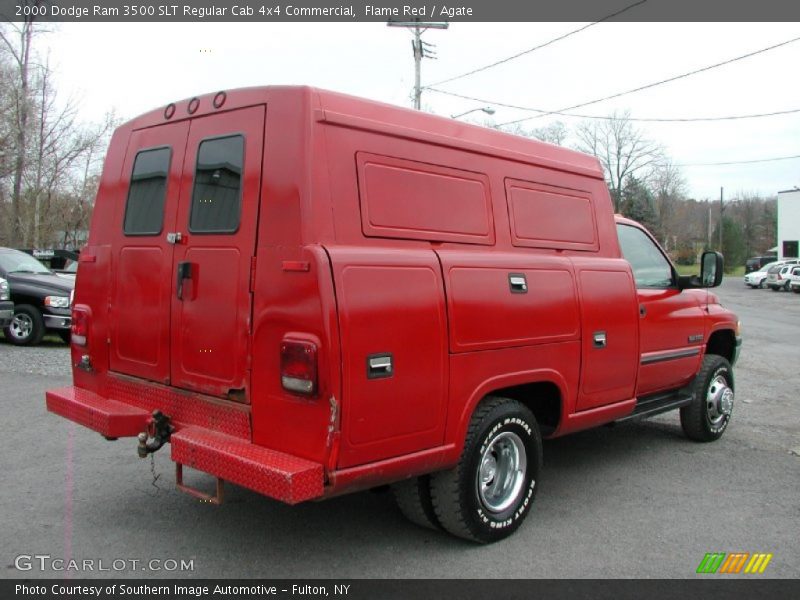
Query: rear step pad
[654,405]
[275,474]
[110,418]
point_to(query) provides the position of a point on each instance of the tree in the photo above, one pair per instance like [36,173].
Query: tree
[638,204]
[733,246]
[622,149]
[669,190]
[50,156]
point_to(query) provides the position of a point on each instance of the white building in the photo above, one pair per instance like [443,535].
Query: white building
[788,223]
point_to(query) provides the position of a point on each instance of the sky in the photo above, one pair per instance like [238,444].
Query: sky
[133,68]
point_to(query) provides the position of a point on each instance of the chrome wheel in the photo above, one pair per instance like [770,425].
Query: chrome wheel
[21,326]
[719,400]
[501,474]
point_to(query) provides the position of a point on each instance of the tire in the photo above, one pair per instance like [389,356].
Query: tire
[796,290]
[775,288]
[466,499]
[413,498]
[26,327]
[65,335]
[707,417]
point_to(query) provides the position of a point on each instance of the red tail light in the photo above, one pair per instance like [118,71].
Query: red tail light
[80,326]
[299,367]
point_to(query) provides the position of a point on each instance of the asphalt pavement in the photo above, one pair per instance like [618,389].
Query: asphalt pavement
[637,500]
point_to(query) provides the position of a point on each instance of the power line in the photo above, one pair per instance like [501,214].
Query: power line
[657,83]
[738,162]
[539,47]
[609,118]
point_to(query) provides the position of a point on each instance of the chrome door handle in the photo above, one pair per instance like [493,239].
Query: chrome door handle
[379,365]
[599,339]
[518,283]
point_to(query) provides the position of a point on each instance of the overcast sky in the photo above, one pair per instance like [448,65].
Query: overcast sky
[133,68]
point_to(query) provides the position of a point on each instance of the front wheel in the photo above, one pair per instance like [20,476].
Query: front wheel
[707,417]
[489,493]
[26,327]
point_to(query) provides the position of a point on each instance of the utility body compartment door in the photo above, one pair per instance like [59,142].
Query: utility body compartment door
[394,347]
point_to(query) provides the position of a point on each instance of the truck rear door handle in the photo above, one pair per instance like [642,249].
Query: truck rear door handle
[379,365]
[184,272]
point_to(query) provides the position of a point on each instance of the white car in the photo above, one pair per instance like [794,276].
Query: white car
[794,280]
[756,279]
[778,276]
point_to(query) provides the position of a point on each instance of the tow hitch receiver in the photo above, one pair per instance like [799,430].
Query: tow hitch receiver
[158,431]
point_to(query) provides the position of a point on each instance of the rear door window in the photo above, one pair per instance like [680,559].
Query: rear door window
[144,209]
[216,198]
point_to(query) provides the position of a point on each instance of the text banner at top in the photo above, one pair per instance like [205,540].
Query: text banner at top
[408,11]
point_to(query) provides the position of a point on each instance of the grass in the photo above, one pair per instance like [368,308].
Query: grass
[695,270]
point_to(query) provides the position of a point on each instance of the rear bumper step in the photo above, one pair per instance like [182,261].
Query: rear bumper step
[274,474]
[107,417]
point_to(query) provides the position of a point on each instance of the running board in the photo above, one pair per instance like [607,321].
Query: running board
[657,404]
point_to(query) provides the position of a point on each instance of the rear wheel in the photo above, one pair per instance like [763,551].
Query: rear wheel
[413,497]
[707,417]
[489,493]
[26,327]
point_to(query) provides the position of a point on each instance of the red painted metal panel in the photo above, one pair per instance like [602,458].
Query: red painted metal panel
[108,417]
[608,308]
[391,302]
[484,313]
[412,200]
[274,474]
[544,216]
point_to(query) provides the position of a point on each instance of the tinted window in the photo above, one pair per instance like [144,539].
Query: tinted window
[217,186]
[650,268]
[144,210]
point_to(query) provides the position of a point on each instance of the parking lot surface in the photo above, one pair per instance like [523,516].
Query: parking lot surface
[637,500]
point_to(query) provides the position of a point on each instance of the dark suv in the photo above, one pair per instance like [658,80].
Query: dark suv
[756,262]
[41,299]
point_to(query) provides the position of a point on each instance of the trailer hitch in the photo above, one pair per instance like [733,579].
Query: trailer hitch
[156,435]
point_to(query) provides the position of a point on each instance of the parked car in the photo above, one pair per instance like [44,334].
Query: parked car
[794,280]
[41,299]
[334,294]
[778,276]
[6,306]
[757,279]
[755,263]
[69,271]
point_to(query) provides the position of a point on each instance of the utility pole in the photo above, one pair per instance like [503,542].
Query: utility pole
[421,50]
[720,218]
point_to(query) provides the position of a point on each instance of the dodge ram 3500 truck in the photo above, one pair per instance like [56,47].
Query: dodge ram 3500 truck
[307,294]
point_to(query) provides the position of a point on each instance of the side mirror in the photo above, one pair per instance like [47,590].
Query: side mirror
[711,266]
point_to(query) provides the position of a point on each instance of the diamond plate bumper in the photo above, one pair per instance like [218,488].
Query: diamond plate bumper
[108,417]
[281,476]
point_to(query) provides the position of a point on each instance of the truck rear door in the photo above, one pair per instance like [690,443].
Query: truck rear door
[181,301]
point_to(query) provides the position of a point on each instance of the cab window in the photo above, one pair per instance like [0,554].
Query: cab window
[651,269]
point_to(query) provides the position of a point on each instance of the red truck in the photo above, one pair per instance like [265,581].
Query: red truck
[308,294]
